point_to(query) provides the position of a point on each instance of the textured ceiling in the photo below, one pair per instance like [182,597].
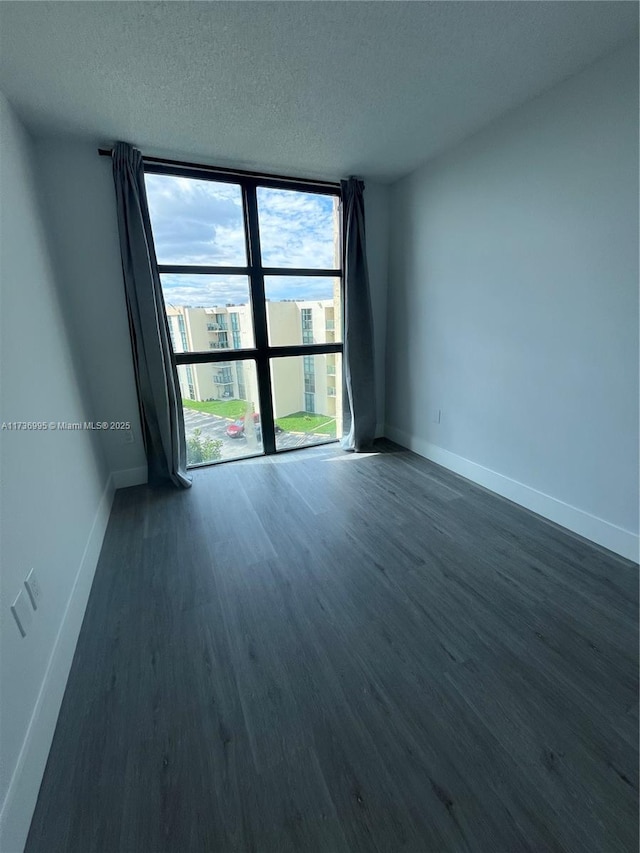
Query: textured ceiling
[310,88]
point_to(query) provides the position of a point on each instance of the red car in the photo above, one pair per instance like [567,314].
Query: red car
[236,429]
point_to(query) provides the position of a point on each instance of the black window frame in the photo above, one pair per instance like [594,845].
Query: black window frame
[262,353]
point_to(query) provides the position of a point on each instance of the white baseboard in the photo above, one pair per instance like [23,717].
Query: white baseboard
[129,477]
[22,794]
[597,530]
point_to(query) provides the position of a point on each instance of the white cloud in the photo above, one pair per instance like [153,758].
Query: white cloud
[296,229]
[298,287]
[201,223]
[205,291]
[196,222]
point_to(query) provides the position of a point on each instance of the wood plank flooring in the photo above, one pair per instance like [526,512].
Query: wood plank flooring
[327,652]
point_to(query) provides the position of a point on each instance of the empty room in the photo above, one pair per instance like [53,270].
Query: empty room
[319,427]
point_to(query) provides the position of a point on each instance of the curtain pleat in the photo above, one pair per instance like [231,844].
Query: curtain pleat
[156,375]
[359,381]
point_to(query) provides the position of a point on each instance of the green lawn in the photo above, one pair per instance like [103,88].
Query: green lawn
[224,408]
[306,422]
[297,422]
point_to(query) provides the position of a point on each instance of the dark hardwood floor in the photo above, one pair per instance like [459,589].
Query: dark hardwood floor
[336,652]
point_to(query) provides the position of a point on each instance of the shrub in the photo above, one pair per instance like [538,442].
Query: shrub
[202,449]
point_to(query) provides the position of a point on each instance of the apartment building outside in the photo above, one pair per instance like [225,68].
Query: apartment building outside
[310,384]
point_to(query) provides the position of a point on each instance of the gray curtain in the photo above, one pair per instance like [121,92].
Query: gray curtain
[359,381]
[156,375]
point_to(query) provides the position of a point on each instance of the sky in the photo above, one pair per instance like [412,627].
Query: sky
[200,222]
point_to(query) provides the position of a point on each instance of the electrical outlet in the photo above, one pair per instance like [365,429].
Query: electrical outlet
[22,613]
[33,589]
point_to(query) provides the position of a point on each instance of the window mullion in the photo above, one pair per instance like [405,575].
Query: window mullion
[259,306]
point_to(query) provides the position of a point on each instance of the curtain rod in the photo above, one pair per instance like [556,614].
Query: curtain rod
[106,152]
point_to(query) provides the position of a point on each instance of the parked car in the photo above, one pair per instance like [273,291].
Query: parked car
[236,429]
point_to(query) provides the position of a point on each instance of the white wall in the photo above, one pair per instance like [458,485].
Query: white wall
[81,218]
[376,203]
[55,496]
[513,305]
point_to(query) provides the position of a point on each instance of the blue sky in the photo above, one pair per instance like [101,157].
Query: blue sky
[200,222]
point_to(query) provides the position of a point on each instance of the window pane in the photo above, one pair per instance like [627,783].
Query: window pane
[221,411]
[298,229]
[303,310]
[307,399]
[208,312]
[196,222]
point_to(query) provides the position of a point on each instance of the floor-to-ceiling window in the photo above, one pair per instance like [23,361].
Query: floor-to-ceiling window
[252,278]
